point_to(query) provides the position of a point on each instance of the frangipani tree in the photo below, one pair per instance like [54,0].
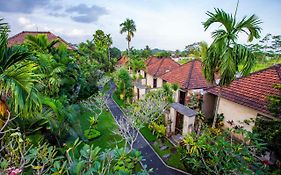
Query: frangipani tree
[226,57]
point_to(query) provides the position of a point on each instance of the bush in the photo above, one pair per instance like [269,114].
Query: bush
[91,133]
[159,130]
[213,152]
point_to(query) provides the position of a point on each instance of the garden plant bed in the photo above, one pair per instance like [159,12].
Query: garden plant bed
[167,151]
[117,99]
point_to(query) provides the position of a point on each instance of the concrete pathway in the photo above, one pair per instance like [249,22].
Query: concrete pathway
[150,158]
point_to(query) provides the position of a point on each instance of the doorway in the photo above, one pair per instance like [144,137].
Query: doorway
[179,123]
[182,97]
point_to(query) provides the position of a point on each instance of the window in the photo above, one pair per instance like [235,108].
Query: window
[154,82]
[182,96]
[145,75]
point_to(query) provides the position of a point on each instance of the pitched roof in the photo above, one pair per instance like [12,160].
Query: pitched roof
[20,37]
[123,60]
[159,66]
[151,60]
[188,76]
[252,91]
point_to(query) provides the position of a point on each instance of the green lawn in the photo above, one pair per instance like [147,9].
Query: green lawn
[183,61]
[265,64]
[106,87]
[120,102]
[107,126]
[174,159]
[147,134]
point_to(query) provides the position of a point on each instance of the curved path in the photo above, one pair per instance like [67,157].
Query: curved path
[150,158]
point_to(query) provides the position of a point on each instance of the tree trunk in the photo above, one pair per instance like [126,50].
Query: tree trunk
[217,107]
[128,48]
[128,38]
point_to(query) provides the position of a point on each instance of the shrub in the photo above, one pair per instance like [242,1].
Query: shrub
[159,130]
[213,152]
[91,133]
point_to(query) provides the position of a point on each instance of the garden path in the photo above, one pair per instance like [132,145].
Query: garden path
[150,158]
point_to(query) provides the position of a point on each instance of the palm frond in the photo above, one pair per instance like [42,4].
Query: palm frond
[3,25]
[250,24]
[220,16]
[18,80]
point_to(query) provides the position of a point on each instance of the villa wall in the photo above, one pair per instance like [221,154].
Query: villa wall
[142,73]
[176,96]
[236,112]
[149,80]
[188,124]
[159,82]
[141,91]
[209,101]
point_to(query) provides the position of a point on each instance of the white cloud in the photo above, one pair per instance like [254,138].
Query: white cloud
[26,23]
[76,33]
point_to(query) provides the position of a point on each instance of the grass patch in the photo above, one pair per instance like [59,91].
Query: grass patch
[117,99]
[265,64]
[175,158]
[147,134]
[106,126]
[183,61]
[106,87]
[108,139]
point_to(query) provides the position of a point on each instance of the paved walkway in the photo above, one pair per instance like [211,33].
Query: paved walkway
[150,158]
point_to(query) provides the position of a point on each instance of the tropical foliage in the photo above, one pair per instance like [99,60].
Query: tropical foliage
[213,152]
[226,58]
[46,92]
[124,85]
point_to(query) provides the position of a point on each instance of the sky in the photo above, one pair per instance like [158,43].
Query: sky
[165,24]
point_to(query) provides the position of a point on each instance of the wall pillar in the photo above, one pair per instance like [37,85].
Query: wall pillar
[173,118]
[188,124]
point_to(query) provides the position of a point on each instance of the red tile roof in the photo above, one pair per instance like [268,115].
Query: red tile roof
[159,66]
[188,76]
[20,37]
[123,60]
[252,91]
[151,60]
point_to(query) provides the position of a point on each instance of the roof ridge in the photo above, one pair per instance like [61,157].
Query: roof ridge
[278,69]
[29,31]
[149,60]
[15,35]
[275,66]
[189,76]
[159,66]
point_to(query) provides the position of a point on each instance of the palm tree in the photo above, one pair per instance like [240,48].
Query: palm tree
[3,25]
[128,27]
[225,56]
[40,43]
[17,80]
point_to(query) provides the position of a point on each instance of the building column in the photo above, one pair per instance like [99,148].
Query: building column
[173,119]
[188,124]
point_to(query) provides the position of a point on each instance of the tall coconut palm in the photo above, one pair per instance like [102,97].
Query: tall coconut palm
[225,56]
[17,80]
[129,27]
